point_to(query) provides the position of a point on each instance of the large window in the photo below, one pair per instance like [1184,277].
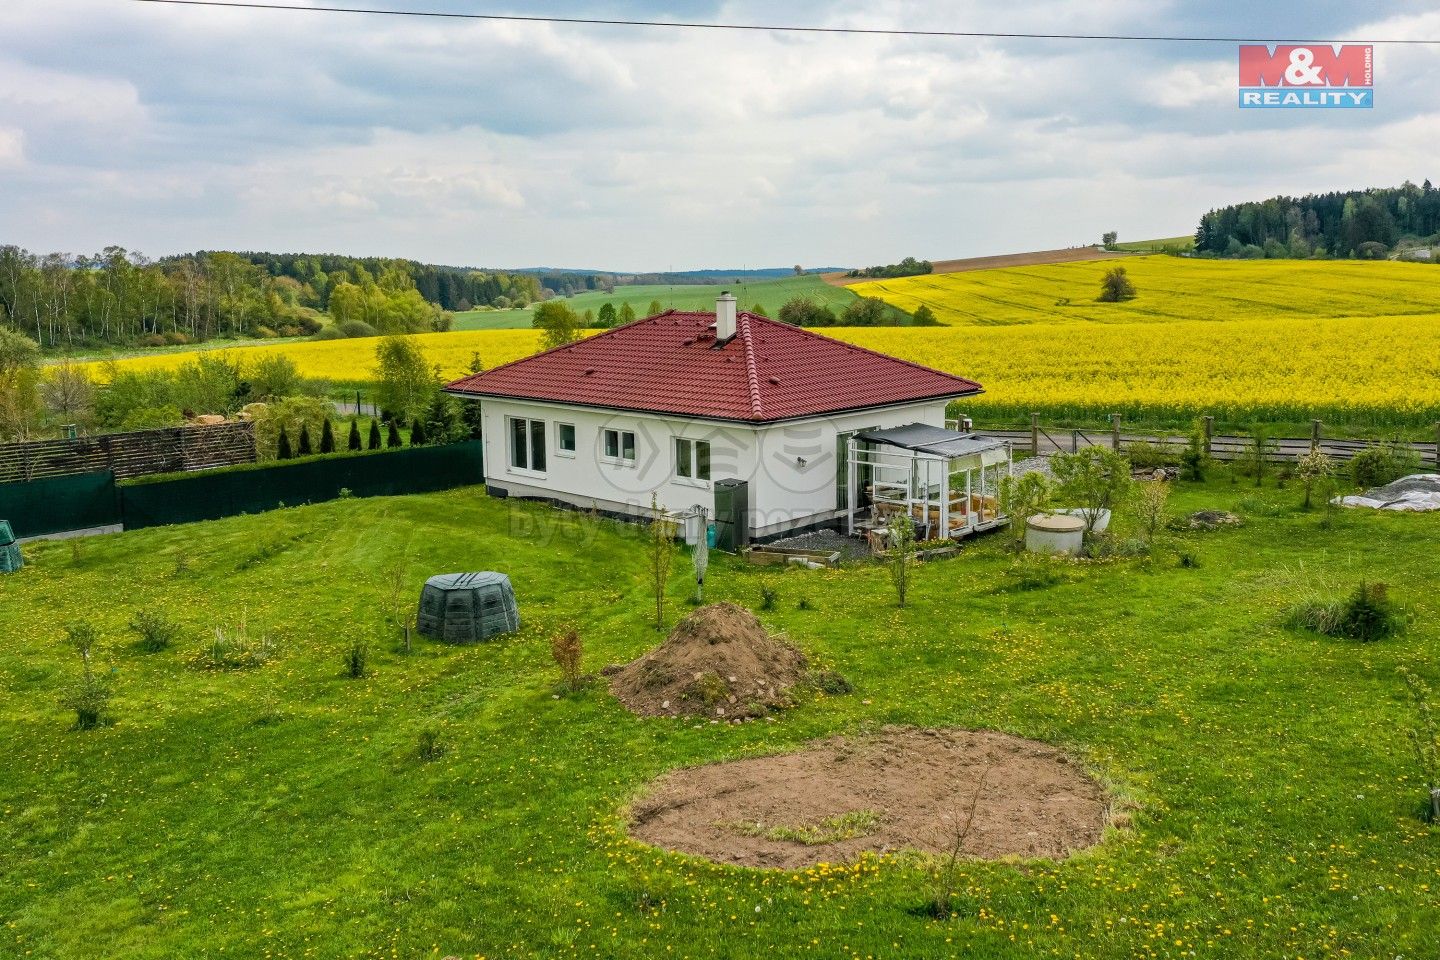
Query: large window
[692,459]
[527,444]
[619,445]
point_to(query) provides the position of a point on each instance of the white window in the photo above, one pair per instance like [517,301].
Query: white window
[565,439]
[619,446]
[527,444]
[692,459]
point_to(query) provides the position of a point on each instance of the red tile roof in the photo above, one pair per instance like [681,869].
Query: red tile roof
[670,364]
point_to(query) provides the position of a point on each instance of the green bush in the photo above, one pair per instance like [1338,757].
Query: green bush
[156,631]
[357,328]
[90,699]
[1366,615]
[1144,455]
[1377,466]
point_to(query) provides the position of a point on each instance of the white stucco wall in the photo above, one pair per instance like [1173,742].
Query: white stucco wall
[784,492]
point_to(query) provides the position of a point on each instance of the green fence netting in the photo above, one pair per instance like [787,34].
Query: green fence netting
[56,504]
[232,492]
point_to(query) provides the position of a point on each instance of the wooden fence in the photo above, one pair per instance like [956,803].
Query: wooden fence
[135,454]
[1041,440]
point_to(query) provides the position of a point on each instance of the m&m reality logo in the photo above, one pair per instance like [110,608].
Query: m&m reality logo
[1301,76]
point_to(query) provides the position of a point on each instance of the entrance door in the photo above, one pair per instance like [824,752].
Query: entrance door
[863,474]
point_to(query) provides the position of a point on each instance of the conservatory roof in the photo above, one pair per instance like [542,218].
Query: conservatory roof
[937,441]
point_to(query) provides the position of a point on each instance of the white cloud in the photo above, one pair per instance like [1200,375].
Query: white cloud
[504,144]
[12,146]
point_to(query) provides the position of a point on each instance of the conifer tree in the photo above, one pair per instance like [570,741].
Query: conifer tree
[354,441]
[374,434]
[392,439]
[327,437]
[282,446]
[417,433]
[304,449]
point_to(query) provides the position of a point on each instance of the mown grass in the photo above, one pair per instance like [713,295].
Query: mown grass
[770,294]
[448,804]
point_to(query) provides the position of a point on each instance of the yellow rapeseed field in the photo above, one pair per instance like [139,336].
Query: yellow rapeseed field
[1170,289]
[353,361]
[1364,373]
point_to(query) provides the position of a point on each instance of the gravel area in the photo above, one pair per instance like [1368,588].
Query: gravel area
[1033,465]
[851,548]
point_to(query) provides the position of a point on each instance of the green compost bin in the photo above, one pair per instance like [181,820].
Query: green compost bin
[10,559]
[467,607]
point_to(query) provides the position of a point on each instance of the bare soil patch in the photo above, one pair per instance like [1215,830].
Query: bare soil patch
[719,662]
[1066,255]
[902,789]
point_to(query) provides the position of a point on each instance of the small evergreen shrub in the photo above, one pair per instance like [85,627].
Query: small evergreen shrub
[304,448]
[417,433]
[354,442]
[374,443]
[1367,614]
[282,445]
[769,597]
[392,439]
[327,437]
[357,660]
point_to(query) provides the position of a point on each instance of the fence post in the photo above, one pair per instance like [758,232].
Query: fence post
[1074,441]
[1314,435]
[1115,432]
[1035,434]
[1437,444]
[1209,434]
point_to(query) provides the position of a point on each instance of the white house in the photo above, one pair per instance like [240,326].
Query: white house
[674,404]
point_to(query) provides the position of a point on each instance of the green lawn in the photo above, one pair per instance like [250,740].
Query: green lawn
[283,812]
[771,294]
[1186,242]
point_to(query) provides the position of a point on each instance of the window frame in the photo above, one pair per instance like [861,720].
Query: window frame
[624,440]
[692,463]
[525,430]
[560,449]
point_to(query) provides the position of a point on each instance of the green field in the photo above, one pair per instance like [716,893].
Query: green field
[1186,242]
[771,294]
[1170,289]
[284,811]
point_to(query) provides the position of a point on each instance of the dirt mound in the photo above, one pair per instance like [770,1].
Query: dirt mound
[1211,520]
[904,789]
[718,662]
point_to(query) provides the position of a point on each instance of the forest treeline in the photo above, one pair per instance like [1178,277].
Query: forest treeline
[116,297]
[1367,224]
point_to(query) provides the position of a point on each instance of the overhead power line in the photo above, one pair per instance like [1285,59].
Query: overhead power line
[753,27]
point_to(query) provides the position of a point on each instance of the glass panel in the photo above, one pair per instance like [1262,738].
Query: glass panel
[537,445]
[612,443]
[702,459]
[567,437]
[627,446]
[519,452]
[683,466]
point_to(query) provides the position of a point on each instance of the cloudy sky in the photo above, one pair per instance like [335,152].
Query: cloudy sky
[165,129]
